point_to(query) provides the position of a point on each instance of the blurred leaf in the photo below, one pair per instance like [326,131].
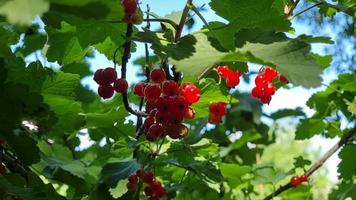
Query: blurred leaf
[119,190]
[287,113]
[300,162]
[347,166]
[307,128]
[114,172]
[233,173]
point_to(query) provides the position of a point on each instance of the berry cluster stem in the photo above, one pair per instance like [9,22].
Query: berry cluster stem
[183,19]
[318,163]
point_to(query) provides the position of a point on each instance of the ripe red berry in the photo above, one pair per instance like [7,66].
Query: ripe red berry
[131,186]
[130,6]
[218,109]
[295,181]
[153,112]
[99,77]
[190,92]
[170,88]
[233,79]
[283,79]
[148,177]
[155,185]
[148,122]
[213,119]
[152,92]
[265,99]
[106,91]
[224,71]
[155,130]
[148,191]
[178,106]
[140,173]
[270,74]
[303,178]
[260,80]
[2,168]
[120,85]
[256,92]
[139,89]
[161,192]
[109,75]
[157,75]
[133,178]
[269,89]
[163,104]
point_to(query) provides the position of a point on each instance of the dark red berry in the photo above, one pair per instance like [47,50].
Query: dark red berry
[163,104]
[131,186]
[120,85]
[140,173]
[2,168]
[139,89]
[153,112]
[170,88]
[178,106]
[133,178]
[283,79]
[155,130]
[106,91]
[295,181]
[177,131]
[148,191]
[155,185]
[148,177]
[148,122]
[109,75]
[270,74]
[218,109]
[152,92]
[161,192]
[265,99]
[213,119]
[99,77]
[157,75]
[130,6]
[190,92]
[303,178]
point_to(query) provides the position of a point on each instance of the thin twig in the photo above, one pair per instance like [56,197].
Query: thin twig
[175,26]
[318,163]
[183,19]
[307,9]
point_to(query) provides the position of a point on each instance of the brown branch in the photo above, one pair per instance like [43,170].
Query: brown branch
[13,164]
[183,19]
[318,163]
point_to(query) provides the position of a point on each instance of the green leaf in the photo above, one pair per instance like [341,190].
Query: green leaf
[266,14]
[119,190]
[352,106]
[344,190]
[307,128]
[347,166]
[233,173]
[114,172]
[61,85]
[80,68]
[206,170]
[264,174]
[248,136]
[23,12]
[324,61]
[300,162]
[287,113]
[312,39]
[105,119]
[224,36]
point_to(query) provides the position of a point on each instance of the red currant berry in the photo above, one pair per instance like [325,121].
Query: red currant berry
[106,91]
[232,82]
[109,75]
[269,89]
[224,71]
[162,117]
[131,186]
[152,92]
[2,168]
[157,75]
[148,177]
[120,85]
[170,88]
[256,92]
[161,192]
[283,79]
[153,112]
[99,77]
[303,178]
[139,89]
[179,106]
[148,191]
[130,6]
[270,74]
[177,131]
[218,109]
[163,104]
[260,80]
[140,173]
[189,114]
[265,99]
[133,178]
[148,122]
[190,92]
[155,185]
[155,130]
[213,119]
[295,181]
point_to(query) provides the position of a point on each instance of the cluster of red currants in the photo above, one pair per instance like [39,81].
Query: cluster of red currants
[265,89]
[133,14]
[297,180]
[108,82]
[154,189]
[232,78]
[216,112]
[167,104]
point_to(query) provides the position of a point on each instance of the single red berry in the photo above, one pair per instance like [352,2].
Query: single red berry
[170,88]
[131,186]
[162,117]
[152,92]
[148,122]
[218,109]
[2,168]
[130,6]
[270,73]
[155,130]
[157,75]
[283,79]
[163,104]
[256,92]
[303,178]
[155,185]
[161,192]
[269,89]
[178,106]
[295,181]
[189,114]
[150,105]
[265,99]
[175,119]
[153,112]
[190,92]
[213,119]
[99,77]
[232,82]
[148,191]
[106,91]
[260,80]
[224,71]
[140,173]
[139,89]
[148,177]
[109,75]
[133,178]
[120,85]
